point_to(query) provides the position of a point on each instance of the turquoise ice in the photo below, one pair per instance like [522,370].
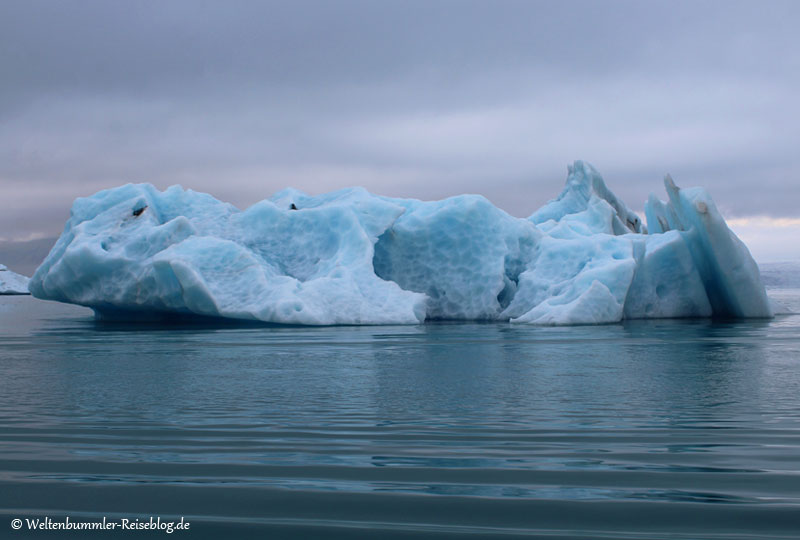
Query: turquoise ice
[351,257]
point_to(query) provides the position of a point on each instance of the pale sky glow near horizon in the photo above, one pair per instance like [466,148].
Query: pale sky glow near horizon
[412,99]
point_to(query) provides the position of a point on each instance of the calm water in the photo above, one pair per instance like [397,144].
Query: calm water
[645,430]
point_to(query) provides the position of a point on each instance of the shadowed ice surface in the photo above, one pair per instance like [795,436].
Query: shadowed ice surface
[647,429]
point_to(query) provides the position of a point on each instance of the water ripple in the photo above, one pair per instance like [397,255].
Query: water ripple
[646,430]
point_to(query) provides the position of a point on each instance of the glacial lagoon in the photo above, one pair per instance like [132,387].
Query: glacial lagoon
[645,429]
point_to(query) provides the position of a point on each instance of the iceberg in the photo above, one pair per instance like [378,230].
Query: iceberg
[351,257]
[11,282]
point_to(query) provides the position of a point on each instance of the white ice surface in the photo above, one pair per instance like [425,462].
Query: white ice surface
[12,283]
[350,257]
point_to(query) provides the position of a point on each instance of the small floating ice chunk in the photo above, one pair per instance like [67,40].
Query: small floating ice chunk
[12,283]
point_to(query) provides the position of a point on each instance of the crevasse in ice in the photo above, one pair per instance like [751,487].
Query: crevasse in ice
[350,257]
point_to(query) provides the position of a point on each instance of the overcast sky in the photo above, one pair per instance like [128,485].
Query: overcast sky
[419,99]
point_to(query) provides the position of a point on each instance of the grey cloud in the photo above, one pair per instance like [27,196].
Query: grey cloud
[422,99]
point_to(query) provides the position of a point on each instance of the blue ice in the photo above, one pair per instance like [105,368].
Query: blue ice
[351,257]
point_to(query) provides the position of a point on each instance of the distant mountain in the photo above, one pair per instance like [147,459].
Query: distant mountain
[784,275]
[25,257]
